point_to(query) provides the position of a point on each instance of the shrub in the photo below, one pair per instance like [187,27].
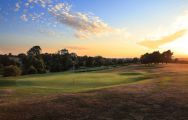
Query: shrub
[32,70]
[11,71]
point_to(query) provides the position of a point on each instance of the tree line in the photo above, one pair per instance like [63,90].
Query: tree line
[34,62]
[156,57]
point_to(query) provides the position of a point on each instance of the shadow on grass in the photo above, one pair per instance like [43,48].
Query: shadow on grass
[95,69]
[131,73]
[148,66]
[11,83]
[6,83]
[136,79]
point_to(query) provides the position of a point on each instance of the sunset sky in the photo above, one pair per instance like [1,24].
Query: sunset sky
[111,28]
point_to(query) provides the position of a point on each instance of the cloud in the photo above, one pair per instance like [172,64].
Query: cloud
[154,44]
[51,33]
[83,24]
[17,7]
[24,17]
[42,3]
[166,35]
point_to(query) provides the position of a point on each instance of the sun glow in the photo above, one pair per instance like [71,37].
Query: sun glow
[179,46]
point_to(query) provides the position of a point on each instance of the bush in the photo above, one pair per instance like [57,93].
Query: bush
[11,71]
[32,70]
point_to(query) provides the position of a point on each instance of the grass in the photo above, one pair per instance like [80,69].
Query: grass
[131,73]
[94,69]
[134,92]
[66,82]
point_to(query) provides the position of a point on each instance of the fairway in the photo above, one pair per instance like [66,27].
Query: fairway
[67,82]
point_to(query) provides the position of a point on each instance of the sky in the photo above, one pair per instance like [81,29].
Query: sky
[111,28]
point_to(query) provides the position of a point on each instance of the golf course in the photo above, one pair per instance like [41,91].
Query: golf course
[132,92]
[93,60]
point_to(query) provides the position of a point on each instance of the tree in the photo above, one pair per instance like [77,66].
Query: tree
[39,65]
[167,56]
[1,69]
[34,51]
[89,62]
[67,62]
[156,57]
[135,60]
[146,58]
[63,52]
[11,71]
[74,58]
[7,60]
[176,60]
[33,59]
[32,70]
[98,61]
[1,66]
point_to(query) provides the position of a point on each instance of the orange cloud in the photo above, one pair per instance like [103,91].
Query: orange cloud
[153,44]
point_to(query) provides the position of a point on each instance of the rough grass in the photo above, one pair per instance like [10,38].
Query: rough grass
[125,93]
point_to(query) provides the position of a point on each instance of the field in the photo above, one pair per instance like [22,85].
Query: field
[134,92]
